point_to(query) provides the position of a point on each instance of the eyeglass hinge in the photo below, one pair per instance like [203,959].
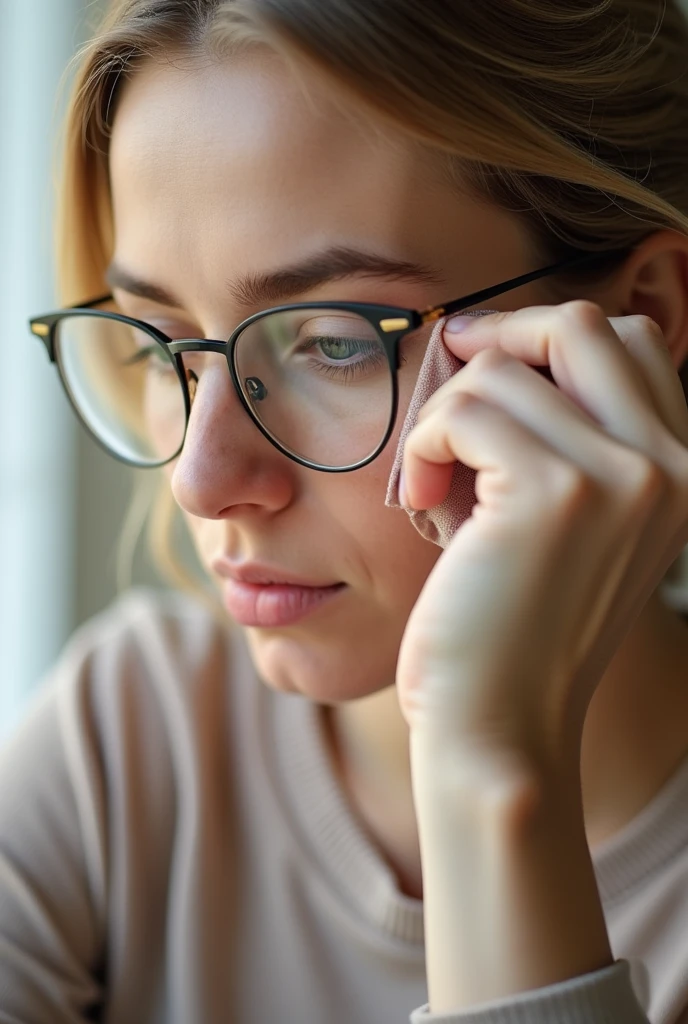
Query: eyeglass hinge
[432,314]
[42,330]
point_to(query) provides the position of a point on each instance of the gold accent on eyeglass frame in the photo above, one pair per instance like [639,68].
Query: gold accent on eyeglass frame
[399,323]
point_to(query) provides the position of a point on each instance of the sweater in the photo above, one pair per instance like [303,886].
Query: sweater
[175,848]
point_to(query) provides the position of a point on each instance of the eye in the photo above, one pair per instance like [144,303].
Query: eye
[156,356]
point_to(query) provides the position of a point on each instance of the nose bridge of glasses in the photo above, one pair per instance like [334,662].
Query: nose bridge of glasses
[180,345]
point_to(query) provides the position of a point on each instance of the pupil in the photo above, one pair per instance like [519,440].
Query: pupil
[337,348]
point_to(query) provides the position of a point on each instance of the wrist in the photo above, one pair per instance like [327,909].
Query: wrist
[510,896]
[506,767]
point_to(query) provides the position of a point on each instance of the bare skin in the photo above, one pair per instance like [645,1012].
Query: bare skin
[222,170]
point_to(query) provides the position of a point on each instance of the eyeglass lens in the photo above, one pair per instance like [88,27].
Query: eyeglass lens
[318,381]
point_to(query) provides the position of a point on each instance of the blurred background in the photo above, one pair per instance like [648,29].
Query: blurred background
[62,500]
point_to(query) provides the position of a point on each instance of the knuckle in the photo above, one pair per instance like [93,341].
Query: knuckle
[641,478]
[451,406]
[649,328]
[573,489]
[489,359]
[584,313]
[458,401]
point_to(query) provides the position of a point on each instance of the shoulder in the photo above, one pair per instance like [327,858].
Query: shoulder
[156,638]
[146,620]
[124,708]
[149,664]
[104,772]
[133,682]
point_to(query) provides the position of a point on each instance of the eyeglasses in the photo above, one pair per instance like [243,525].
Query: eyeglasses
[319,379]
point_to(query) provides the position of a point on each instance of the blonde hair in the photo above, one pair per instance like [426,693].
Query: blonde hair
[571,114]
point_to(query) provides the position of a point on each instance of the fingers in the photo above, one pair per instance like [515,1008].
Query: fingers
[520,476]
[534,402]
[643,340]
[626,438]
[588,362]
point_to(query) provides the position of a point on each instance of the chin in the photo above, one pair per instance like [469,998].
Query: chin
[326,673]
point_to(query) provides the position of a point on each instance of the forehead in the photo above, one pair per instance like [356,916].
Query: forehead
[239,154]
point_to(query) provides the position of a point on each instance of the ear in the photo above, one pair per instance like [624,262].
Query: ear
[654,281]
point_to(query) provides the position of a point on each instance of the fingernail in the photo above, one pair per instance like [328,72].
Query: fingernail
[457,324]
[403,497]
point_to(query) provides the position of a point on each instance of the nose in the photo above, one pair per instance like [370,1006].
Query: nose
[227,467]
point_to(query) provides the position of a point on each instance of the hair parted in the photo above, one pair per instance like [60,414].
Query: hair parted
[571,114]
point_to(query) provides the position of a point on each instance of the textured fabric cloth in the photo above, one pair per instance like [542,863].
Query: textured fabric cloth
[175,848]
[438,524]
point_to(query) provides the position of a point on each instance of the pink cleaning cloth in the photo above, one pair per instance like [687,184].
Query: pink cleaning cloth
[438,524]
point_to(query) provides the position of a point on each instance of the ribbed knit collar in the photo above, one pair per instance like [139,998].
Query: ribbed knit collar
[352,866]
[647,843]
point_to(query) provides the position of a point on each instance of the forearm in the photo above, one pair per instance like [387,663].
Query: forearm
[511,902]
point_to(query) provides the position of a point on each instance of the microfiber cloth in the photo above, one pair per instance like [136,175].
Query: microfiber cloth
[438,524]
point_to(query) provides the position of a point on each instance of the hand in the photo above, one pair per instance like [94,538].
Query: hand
[582,506]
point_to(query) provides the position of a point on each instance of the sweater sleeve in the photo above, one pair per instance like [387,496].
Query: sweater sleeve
[601,997]
[50,936]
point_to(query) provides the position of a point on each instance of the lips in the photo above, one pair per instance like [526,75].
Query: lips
[276,604]
[263,574]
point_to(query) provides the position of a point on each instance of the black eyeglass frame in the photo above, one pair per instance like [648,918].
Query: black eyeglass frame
[391,323]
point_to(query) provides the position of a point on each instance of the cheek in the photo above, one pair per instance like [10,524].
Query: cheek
[392,558]
[205,534]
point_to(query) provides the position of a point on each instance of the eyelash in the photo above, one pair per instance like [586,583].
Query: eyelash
[345,371]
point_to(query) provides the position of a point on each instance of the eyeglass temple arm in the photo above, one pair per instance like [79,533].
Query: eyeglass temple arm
[436,312]
[93,302]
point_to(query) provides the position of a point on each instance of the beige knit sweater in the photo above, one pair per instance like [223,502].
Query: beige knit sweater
[175,849]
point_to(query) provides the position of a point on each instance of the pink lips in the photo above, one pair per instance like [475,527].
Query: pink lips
[273,604]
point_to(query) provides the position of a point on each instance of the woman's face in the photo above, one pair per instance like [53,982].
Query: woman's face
[221,173]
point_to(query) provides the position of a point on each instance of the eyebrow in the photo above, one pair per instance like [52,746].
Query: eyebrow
[260,289]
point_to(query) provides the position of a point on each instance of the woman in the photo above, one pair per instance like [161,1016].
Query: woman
[407,782]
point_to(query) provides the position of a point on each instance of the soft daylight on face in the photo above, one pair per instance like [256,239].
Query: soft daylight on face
[219,170]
